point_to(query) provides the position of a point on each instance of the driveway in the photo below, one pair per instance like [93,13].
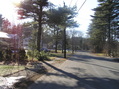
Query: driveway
[81,71]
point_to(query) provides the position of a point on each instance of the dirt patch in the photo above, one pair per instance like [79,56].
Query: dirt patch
[23,84]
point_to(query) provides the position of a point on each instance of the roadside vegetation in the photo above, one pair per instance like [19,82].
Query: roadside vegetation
[104,29]
[13,62]
[6,70]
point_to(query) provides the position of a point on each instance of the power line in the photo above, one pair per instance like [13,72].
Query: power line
[81,5]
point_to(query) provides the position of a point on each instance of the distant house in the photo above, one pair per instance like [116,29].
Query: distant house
[8,40]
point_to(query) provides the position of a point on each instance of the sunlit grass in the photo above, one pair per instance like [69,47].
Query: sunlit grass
[32,58]
[60,54]
[100,54]
[8,69]
[52,58]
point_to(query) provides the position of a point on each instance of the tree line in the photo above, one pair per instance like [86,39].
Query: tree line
[104,29]
[57,18]
[49,26]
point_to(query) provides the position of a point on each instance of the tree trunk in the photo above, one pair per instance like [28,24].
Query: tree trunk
[39,29]
[62,47]
[65,42]
[109,33]
[72,44]
[56,41]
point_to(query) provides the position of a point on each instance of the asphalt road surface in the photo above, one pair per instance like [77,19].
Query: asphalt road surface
[81,71]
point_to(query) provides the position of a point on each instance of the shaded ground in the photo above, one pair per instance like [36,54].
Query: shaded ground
[31,72]
[82,71]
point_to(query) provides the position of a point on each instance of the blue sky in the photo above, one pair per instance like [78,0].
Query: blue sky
[83,18]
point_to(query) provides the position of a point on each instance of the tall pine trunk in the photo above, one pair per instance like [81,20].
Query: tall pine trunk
[56,40]
[72,45]
[39,29]
[109,33]
[65,42]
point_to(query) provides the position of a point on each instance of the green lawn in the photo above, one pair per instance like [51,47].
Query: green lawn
[100,54]
[60,54]
[8,69]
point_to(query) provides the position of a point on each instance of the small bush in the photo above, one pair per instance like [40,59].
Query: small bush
[7,54]
[29,53]
[32,53]
[38,55]
[1,56]
[42,56]
[22,54]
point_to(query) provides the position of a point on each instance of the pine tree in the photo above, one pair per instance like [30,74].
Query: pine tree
[34,9]
[104,24]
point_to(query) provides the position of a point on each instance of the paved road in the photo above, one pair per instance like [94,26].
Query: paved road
[82,71]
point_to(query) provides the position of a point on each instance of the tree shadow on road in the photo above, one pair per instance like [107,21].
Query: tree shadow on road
[86,59]
[88,82]
[90,57]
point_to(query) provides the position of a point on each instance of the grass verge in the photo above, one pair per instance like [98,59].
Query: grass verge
[9,69]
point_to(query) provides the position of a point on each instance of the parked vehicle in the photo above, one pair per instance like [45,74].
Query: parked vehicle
[45,50]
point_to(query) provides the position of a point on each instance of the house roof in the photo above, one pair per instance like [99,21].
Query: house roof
[6,35]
